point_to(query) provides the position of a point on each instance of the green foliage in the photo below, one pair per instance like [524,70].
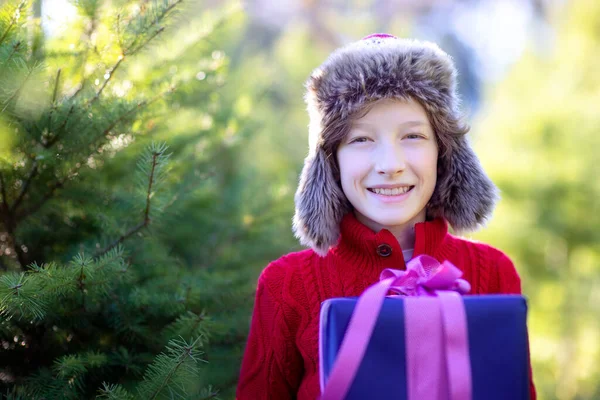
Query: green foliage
[539,140]
[20,296]
[171,372]
[121,245]
[114,392]
[135,31]
[94,286]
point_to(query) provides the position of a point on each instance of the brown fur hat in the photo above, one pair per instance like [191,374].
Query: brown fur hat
[353,77]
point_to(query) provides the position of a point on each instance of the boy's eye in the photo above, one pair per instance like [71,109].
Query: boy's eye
[361,139]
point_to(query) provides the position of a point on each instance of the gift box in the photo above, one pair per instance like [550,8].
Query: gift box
[498,351]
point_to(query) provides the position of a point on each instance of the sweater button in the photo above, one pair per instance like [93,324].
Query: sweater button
[384,250]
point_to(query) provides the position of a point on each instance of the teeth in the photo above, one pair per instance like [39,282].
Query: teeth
[392,192]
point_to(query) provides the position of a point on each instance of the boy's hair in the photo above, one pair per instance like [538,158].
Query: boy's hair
[343,89]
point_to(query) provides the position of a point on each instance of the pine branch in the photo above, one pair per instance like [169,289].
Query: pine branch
[132,111]
[92,27]
[49,194]
[211,395]
[110,75]
[15,48]
[81,286]
[123,237]
[55,92]
[25,187]
[83,263]
[9,221]
[156,157]
[5,206]
[18,91]
[52,281]
[44,141]
[183,357]
[114,392]
[143,44]
[149,191]
[118,26]
[188,326]
[13,22]
[115,255]
[60,183]
[165,12]
[79,88]
[134,47]
[56,136]
[170,369]
[12,241]
[20,296]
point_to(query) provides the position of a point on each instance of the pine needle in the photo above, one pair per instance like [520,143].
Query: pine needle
[170,371]
[114,392]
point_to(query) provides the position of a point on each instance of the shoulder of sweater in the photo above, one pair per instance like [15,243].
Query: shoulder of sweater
[284,279]
[286,266]
[486,252]
[492,270]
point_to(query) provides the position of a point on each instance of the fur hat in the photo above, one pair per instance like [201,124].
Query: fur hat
[379,67]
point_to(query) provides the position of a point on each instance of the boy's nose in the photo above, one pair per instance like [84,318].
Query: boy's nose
[390,160]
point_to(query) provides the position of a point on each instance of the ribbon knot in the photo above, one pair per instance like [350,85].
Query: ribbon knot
[424,276]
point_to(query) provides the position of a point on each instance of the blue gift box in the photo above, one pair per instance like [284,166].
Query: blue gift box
[498,346]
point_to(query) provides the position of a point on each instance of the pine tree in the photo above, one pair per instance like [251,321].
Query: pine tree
[91,301]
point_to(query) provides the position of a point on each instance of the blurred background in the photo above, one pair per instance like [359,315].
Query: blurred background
[237,128]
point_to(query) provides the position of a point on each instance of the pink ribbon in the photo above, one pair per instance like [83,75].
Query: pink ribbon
[437,345]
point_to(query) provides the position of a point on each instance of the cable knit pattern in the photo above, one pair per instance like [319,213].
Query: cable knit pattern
[281,357]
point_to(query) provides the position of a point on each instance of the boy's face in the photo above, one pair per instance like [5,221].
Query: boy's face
[388,165]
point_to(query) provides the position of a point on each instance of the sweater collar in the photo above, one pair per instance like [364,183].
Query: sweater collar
[366,249]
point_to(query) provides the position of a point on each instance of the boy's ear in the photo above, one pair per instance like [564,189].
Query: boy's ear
[320,204]
[464,195]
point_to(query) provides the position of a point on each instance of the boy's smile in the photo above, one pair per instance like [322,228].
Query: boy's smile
[394,194]
[392,191]
[388,165]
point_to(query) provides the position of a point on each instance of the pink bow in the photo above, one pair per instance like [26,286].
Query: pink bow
[424,276]
[437,351]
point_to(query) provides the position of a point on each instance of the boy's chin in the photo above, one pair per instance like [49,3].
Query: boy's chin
[385,221]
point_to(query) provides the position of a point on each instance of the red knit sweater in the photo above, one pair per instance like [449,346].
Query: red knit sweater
[281,359]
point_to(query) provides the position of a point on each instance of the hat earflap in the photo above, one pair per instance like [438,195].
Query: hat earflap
[464,195]
[320,204]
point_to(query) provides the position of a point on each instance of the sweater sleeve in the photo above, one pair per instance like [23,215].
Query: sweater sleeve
[509,282]
[272,366]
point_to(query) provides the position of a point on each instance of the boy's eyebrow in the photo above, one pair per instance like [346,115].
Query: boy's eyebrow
[413,123]
[404,124]
[359,123]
